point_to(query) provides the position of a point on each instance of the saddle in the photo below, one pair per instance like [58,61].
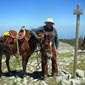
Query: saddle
[10,35]
[23,35]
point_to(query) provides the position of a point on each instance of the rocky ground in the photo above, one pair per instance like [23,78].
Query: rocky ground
[65,60]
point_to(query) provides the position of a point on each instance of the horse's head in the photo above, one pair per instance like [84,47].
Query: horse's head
[47,42]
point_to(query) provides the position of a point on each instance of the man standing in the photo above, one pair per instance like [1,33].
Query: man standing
[48,27]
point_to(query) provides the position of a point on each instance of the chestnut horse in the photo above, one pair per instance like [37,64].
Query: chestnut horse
[27,43]
[8,46]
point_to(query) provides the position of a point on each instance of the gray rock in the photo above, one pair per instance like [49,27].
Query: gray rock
[75,82]
[66,82]
[43,83]
[80,73]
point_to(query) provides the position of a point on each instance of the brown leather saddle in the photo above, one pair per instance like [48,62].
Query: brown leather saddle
[4,40]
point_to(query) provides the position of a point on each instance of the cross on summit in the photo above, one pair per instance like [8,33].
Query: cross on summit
[78,11]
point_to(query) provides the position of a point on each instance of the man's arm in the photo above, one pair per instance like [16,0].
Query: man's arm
[56,39]
[36,30]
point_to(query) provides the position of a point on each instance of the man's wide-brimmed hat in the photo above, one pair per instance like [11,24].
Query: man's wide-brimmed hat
[50,20]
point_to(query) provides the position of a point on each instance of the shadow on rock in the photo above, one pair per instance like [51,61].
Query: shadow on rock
[36,75]
[15,73]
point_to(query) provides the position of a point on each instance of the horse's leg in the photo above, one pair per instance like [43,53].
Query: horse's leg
[24,63]
[44,66]
[0,63]
[54,63]
[7,61]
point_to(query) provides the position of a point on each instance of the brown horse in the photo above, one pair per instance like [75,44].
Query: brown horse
[81,43]
[48,50]
[27,44]
[8,46]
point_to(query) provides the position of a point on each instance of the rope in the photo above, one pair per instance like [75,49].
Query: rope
[18,48]
[18,53]
[38,63]
[38,53]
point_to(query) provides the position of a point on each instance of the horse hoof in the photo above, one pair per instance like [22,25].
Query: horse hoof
[10,74]
[24,73]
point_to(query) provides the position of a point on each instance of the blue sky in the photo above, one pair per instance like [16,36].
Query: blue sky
[33,13]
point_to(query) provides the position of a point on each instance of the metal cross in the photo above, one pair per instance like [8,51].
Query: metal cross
[77,12]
